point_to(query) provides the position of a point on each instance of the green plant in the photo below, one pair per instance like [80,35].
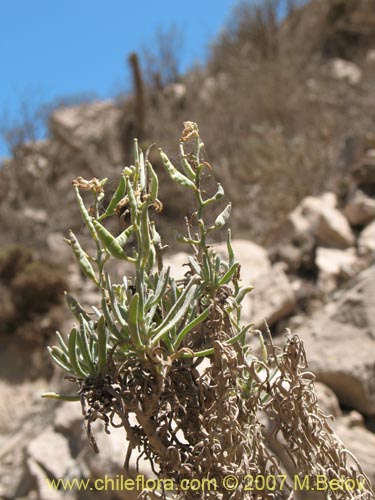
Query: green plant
[141,353]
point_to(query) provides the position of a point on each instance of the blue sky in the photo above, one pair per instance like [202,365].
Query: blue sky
[54,48]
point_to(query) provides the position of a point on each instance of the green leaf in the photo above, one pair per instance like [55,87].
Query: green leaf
[60,397]
[102,343]
[190,326]
[72,347]
[229,274]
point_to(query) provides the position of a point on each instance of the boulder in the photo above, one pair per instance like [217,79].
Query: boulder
[359,440]
[252,257]
[333,229]
[110,459]
[272,298]
[327,400]
[335,265]
[366,240]
[360,210]
[319,217]
[340,343]
[48,457]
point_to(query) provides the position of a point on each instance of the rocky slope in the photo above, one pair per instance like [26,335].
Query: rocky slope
[299,166]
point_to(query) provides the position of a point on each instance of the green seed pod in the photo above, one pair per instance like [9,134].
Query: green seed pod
[230,248]
[217,196]
[133,203]
[86,215]
[76,307]
[109,241]
[223,217]
[185,164]
[154,183]
[145,234]
[116,198]
[82,258]
[242,292]
[175,175]
[124,236]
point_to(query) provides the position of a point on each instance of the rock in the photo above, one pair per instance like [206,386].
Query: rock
[327,400]
[48,457]
[333,229]
[42,450]
[319,217]
[68,419]
[340,343]
[359,440]
[252,257]
[272,298]
[333,265]
[366,240]
[110,459]
[360,210]
[346,70]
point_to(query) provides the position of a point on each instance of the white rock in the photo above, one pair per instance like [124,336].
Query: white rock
[334,264]
[359,440]
[346,70]
[51,451]
[334,229]
[272,299]
[252,257]
[360,210]
[340,343]
[366,240]
[320,217]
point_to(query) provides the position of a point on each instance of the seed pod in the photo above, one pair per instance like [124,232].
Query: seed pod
[86,215]
[186,165]
[82,258]
[109,241]
[124,236]
[175,175]
[223,217]
[76,307]
[145,234]
[154,183]
[217,196]
[230,248]
[116,198]
[132,203]
[242,292]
